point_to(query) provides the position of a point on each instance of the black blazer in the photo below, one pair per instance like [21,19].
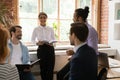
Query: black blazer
[83,65]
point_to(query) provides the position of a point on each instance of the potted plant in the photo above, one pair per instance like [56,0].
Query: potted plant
[55,27]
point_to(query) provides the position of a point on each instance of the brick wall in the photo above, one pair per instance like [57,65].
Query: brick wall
[11,7]
[104,22]
[8,5]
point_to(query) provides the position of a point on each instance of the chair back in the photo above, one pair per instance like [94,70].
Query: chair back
[103,60]
[102,74]
[103,65]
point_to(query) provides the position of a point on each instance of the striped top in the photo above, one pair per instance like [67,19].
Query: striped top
[8,72]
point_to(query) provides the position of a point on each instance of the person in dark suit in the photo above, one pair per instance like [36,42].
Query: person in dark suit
[80,15]
[83,64]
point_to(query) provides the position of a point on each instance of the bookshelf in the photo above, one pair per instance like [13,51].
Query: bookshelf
[114,25]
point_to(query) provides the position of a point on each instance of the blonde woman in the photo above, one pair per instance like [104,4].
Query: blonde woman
[7,71]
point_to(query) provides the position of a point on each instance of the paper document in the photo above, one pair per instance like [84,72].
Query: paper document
[49,42]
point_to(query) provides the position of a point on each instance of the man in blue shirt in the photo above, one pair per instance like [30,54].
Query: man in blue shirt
[19,53]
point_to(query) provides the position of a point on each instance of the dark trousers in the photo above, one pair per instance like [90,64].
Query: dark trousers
[26,75]
[64,73]
[46,54]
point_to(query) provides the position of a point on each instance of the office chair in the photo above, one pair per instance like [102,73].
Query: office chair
[102,74]
[103,60]
[103,65]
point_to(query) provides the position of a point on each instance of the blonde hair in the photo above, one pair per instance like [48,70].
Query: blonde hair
[4,50]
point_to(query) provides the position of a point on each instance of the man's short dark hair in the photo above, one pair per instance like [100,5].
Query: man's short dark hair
[13,29]
[80,30]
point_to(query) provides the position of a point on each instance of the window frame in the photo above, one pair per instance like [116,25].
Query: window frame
[95,20]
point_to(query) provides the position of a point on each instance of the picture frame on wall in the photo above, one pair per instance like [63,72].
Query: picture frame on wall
[118,14]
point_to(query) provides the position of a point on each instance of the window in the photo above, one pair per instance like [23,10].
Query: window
[60,14]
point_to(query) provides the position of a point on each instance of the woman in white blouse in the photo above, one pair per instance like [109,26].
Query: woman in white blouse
[41,36]
[7,71]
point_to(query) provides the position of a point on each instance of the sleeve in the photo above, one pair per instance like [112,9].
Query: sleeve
[13,74]
[92,40]
[27,56]
[75,69]
[33,38]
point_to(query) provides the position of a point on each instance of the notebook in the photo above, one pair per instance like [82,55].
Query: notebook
[114,63]
[21,67]
[49,42]
[113,73]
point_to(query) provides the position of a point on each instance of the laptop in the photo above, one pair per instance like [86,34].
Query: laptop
[21,67]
